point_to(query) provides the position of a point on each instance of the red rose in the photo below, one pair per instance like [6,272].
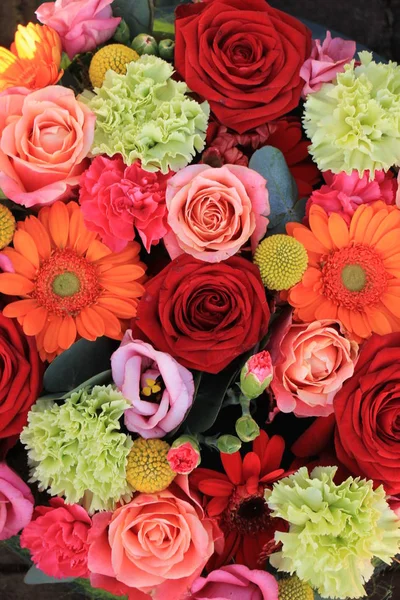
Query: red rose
[243,57]
[20,379]
[367,411]
[204,314]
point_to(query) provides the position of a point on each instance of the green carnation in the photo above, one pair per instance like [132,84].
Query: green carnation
[146,115]
[76,449]
[354,123]
[334,530]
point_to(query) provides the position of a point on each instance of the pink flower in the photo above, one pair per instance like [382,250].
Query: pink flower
[214,212]
[344,193]
[235,582]
[81,24]
[115,199]
[160,390]
[58,539]
[184,455]
[45,137]
[325,62]
[311,363]
[256,375]
[16,503]
[155,546]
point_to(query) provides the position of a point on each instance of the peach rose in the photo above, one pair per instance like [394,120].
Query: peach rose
[153,547]
[311,362]
[214,212]
[45,137]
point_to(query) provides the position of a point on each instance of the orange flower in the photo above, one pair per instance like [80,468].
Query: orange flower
[33,60]
[72,284]
[353,270]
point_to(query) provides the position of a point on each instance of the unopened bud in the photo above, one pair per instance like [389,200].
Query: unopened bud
[145,44]
[228,444]
[247,429]
[166,49]
[256,375]
[122,34]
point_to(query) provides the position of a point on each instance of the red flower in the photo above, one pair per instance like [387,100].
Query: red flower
[236,499]
[243,57]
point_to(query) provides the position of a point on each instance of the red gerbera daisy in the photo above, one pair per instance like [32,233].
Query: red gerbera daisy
[236,500]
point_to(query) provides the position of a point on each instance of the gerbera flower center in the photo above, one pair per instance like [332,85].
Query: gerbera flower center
[354,277]
[66,283]
[247,513]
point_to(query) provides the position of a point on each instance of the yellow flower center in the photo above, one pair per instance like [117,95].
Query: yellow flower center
[148,469]
[7,226]
[282,261]
[66,284]
[151,387]
[354,278]
[115,57]
[292,588]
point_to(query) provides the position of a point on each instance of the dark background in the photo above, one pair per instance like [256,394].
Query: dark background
[374,23]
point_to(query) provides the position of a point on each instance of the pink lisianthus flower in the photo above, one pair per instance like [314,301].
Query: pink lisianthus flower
[117,199]
[81,24]
[160,390]
[16,503]
[343,193]
[325,62]
[212,213]
[184,455]
[235,582]
[58,539]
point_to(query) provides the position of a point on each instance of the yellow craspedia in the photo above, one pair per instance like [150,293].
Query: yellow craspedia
[148,469]
[7,226]
[282,261]
[115,57]
[292,588]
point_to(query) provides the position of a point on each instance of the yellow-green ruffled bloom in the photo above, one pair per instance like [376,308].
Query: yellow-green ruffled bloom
[334,530]
[145,115]
[76,449]
[354,122]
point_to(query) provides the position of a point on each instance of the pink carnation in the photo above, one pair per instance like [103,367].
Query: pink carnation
[183,458]
[57,539]
[325,62]
[81,24]
[343,193]
[117,199]
[16,503]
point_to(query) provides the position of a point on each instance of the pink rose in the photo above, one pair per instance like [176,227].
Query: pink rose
[214,212]
[58,539]
[325,62]
[160,390]
[153,547]
[116,199]
[81,24]
[45,137]
[343,193]
[235,582]
[16,503]
[184,455]
[311,362]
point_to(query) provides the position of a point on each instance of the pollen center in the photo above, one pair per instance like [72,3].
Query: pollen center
[66,284]
[354,278]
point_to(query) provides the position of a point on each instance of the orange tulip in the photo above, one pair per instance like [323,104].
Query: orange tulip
[33,60]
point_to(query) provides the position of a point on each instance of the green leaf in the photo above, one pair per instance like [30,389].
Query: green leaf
[36,577]
[138,14]
[80,363]
[282,188]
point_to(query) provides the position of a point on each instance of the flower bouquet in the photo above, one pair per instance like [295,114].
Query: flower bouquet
[200,303]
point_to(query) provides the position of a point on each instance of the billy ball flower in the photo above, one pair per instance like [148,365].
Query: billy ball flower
[334,530]
[7,226]
[281,260]
[148,469]
[292,588]
[115,57]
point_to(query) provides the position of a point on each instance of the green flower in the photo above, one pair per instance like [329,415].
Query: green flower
[76,449]
[146,115]
[334,530]
[354,123]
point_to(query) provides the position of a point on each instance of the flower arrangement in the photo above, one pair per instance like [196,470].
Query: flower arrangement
[199,303]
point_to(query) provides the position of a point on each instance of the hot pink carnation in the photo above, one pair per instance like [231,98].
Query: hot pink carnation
[311,363]
[235,582]
[58,539]
[154,547]
[325,62]
[81,24]
[16,503]
[343,193]
[184,458]
[45,137]
[116,199]
[214,212]
[135,365]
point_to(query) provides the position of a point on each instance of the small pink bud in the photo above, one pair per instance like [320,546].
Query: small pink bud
[256,375]
[184,455]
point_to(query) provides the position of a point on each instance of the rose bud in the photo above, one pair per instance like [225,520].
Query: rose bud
[229,444]
[184,455]
[145,44]
[256,375]
[247,429]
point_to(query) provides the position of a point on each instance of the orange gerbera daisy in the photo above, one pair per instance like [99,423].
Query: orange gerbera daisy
[33,60]
[353,271]
[72,284]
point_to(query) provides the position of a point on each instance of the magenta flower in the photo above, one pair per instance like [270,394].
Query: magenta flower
[16,503]
[256,374]
[236,582]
